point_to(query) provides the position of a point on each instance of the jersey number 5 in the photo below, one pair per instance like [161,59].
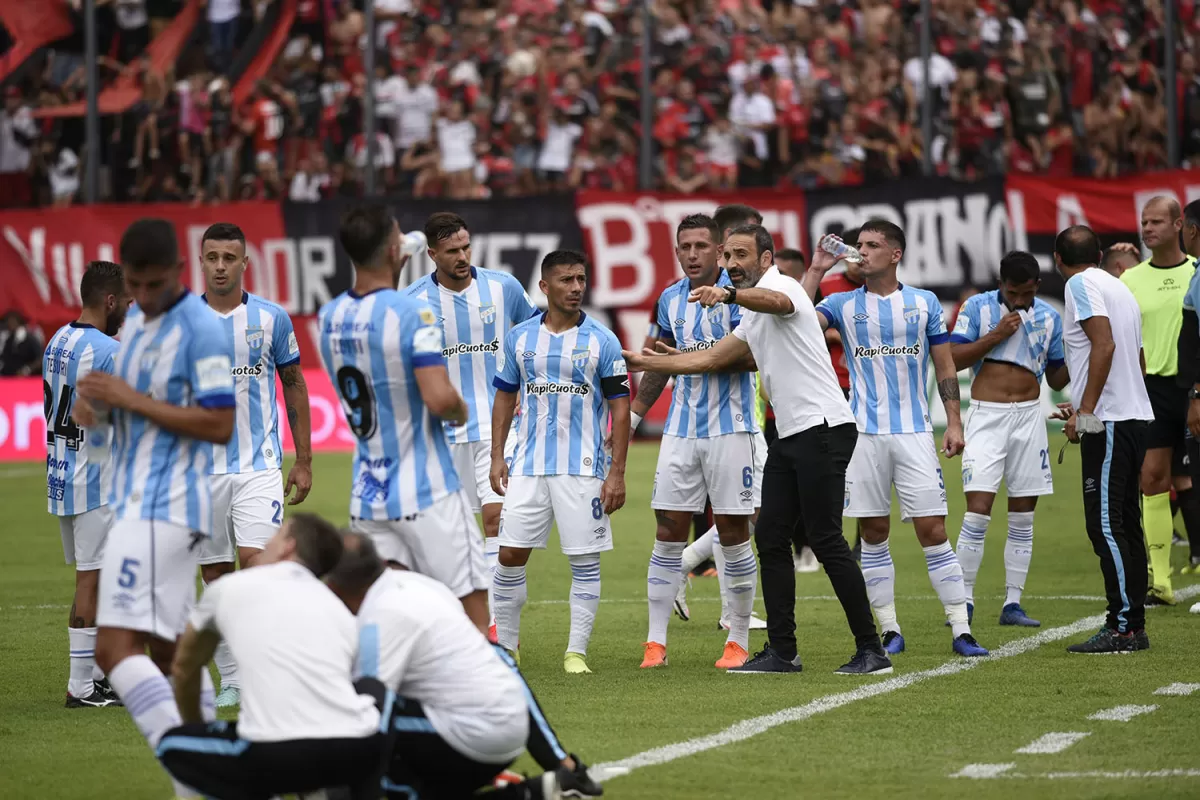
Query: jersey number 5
[59,424]
[359,401]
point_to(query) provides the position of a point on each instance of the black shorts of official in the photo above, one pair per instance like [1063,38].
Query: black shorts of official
[1170,404]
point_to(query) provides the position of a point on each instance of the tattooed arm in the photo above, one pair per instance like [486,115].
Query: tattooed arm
[295,400]
[947,382]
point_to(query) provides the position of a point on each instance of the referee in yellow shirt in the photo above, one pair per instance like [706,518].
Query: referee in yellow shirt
[1159,284]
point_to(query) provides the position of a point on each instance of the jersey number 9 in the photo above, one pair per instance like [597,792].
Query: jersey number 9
[359,401]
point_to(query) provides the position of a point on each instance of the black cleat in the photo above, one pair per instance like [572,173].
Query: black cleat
[767,661]
[1140,640]
[93,700]
[866,662]
[106,689]
[577,782]
[1106,642]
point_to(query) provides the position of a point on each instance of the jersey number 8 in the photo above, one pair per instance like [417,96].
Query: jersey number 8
[359,401]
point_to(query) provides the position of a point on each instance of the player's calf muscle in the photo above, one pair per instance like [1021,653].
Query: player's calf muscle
[672,525]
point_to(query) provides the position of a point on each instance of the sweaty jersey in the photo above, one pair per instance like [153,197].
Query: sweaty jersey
[703,405]
[180,357]
[372,345]
[1160,292]
[474,323]
[887,341]
[260,336]
[78,461]
[565,380]
[1036,344]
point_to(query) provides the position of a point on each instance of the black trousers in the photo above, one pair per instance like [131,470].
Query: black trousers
[1112,465]
[805,479]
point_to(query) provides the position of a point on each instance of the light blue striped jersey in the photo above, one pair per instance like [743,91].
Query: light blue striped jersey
[887,341]
[259,334]
[180,357]
[371,346]
[474,323]
[565,380]
[703,405]
[78,461]
[1035,345]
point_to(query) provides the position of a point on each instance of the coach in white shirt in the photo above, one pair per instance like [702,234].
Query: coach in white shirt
[304,725]
[1102,331]
[805,473]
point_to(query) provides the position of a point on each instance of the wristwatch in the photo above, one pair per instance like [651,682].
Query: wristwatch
[730,295]
[1193,393]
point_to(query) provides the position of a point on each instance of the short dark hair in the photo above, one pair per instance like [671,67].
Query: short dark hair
[762,238]
[562,258]
[735,214]
[364,231]
[1191,213]
[149,242]
[1111,256]
[790,254]
[889,230]
[318,542]
[223,232]
[698,222]
[1078,246]
[100,278]
[442,225]
[359,566]
[1019,267]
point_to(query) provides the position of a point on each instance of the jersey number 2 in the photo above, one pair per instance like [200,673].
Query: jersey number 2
[59,424]
[360,401]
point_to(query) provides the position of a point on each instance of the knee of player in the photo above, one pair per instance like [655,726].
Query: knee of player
[1155,482]
[930,531]
[874,530]
[513,556]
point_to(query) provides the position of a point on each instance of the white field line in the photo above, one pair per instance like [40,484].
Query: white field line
[1052,743]
[749,728]
[22,472]
[1178,689]
[1122,713]
[1003,771]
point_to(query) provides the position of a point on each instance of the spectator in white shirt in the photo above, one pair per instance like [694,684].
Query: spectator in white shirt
[18,132]
[416,105]
[754,115]
[724,146]
[558,148]
[310,181]
[456,144]
[135,28]
[222,30]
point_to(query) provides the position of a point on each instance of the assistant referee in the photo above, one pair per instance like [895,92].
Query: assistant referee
[1102,332]
[1159,284]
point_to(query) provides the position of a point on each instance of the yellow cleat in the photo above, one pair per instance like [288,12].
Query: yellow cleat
[734,656]
[574,664]
[656,655]
[1160,596]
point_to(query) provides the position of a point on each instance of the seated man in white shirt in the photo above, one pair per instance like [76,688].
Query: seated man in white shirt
[454,730]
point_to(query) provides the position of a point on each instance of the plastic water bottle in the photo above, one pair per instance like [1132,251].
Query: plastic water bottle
[414,242]
[839,249]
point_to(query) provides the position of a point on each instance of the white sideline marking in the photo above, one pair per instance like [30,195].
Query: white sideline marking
[1122,713]
[991,771]
[983,771]
[749,728]
[1052,743]
[21,472]
[1178,689]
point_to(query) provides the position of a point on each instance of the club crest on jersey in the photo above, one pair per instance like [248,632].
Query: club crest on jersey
[715,314]
[255,337]
[487,314]
[149,358]
[580,358]
[912,314]
[968,472]
[427,316]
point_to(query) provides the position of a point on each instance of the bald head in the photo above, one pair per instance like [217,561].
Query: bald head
[358,568]
[1166,206]
[1162,222]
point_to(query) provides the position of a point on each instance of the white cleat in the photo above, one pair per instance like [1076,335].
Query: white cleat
[756,623]
[681,606]
[806,561]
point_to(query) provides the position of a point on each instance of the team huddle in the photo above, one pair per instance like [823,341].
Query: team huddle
[165,452]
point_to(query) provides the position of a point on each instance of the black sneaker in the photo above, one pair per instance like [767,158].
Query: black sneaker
[866,662]
[106,689]
[93,700]
[767,661]
[577,782]
[1177,540]
[1106,642]
[1140,640]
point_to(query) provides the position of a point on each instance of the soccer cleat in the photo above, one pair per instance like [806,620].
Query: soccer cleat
[93,700]
[1195,609]
[574,664]
[492,637]
[966,646]
[1106,641]
[106,689]
[577,782]
[515,655]
[709,572]
[767,661]
[507,778]
[1177,540]
[1192,567]
[681,607]
[866,662]
[1140,640]
[734,656]
[757,623]
[656,655]
[806,561]
[893,642]
[1013,614]
[229,697]
[1160,596]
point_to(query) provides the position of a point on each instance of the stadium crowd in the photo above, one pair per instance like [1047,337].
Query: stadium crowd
[515,97]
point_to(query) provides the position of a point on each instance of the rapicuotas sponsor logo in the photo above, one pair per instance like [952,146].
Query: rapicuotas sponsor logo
[887,350]
[249,370]
[467,348]
[540,389]
[707,344]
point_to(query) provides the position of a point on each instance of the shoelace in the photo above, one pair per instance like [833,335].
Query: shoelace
[969,639]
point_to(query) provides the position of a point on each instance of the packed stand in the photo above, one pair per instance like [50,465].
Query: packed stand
[518,97]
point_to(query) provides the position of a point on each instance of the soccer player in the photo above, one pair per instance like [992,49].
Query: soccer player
[1008,337]
[171,395]
[1189,376]
[1119,258]
[461,726]
[79,466]
[707,450]
[1159,285]
[572,379]
[383,353]
[476,308]
[247,482]
[890,332]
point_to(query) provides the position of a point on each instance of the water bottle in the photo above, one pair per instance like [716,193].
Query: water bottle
[839,249]
[413,243]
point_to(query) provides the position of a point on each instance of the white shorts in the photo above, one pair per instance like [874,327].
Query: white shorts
[760,461]
[720,469]
[148,577]
[535,502]
[473,463]
[83,537]
[442,542]
[907,460]
[1007,441]
[247,511]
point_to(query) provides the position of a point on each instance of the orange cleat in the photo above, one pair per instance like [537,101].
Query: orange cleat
[492,634]
[734,656]
[656,655]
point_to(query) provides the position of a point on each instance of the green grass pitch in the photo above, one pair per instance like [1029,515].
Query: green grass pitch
[906,743]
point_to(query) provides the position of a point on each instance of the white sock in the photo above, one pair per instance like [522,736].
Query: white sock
[97,673]
[82,644]
[880,574]
[946,575]
[741,577]
[700,550]
[491,555]
[1018,550]
[509,593]
[718,557]
[147,696]
[208,696]
[970,549]
[226,666]
[662,584]
[585,600]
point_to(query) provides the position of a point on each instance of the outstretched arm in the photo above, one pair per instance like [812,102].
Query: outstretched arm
[727,353]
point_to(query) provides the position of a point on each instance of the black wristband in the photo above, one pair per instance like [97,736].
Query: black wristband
[730,295]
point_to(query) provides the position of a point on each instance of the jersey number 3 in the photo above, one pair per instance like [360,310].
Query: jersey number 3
[359,401]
